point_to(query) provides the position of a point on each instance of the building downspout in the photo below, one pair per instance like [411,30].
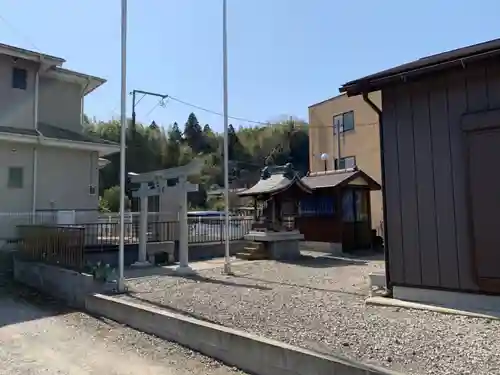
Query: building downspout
[82,101]
[368,101]
[35,149]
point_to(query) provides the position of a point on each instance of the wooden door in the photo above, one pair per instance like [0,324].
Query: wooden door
[356,220]
[483,148]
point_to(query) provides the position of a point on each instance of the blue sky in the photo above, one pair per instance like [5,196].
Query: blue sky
[284,55]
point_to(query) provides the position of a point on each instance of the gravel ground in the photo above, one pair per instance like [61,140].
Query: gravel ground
[38,338]
[318,303]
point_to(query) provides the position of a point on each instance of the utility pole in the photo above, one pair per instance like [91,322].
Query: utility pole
[227,258]
[144,93]
[123,122]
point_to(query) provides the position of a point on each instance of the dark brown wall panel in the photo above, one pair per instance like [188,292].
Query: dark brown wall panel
[443,184]
[427,206]
[408,191]
[493,84]
[477,89]
[392,189]
[457,106]
[424,158]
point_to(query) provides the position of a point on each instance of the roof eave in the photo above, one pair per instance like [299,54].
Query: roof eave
[365,86]
[87,81]
[297,181]
[25,54]
[102,148]
[372,184]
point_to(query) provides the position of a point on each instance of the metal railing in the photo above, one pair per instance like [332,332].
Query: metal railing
[56,245]
[10,220]
[200,230]
[209,229]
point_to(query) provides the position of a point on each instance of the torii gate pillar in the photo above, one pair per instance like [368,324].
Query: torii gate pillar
[180,191]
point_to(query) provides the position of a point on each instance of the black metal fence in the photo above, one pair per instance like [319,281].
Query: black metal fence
[52,244]
[200,230]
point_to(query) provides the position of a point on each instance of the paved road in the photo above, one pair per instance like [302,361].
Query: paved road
[36,340]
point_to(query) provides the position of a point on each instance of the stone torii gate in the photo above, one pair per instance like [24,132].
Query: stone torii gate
[178,193]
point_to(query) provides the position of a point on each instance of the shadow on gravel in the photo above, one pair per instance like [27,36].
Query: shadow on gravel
[19,304]
[325,261]
[170,308]
[157,271]
[203,279]
[303,286]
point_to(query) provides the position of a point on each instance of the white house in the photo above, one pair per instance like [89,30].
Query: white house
[47,162]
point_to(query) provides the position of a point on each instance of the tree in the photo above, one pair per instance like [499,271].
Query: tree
[250,149]
[112,198]
[193,134]
[174,133]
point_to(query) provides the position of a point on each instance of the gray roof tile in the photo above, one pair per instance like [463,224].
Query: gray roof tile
[51,131]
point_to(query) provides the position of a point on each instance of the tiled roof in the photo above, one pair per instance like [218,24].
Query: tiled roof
[274,180]
[274,184]
[328,179]
[19,131]
[51,131]
[332,179]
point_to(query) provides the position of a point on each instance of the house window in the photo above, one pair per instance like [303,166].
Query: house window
[345,121]
[15,178]
[346,162]
[19,78]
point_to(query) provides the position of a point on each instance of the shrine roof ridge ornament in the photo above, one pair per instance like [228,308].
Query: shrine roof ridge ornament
[286,170]
[274,180]
[336,171]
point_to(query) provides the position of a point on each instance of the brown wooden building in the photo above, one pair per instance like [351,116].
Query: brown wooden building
[331,206]
[440,139]
[338,211]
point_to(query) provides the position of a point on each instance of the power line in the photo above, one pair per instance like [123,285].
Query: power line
[238,118]
[142,97]
[163,102]
[160,103]
[215,112]
[22,35]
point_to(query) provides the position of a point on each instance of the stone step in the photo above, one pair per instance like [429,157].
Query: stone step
[252,249]
[254,243]
[251,255]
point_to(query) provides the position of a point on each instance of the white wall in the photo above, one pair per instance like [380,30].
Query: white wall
[64,176]
[60,104]
[16,106]
[16,155]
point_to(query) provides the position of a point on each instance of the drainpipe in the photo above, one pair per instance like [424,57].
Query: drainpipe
[82,101]
[339,153]
[35,149]
[368,101]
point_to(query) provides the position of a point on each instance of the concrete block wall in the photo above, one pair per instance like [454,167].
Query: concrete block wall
[69,286]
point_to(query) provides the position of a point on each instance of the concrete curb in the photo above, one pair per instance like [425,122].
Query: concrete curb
[392,302]
[248,352]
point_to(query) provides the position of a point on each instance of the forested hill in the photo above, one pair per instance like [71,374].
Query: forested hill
[250,148]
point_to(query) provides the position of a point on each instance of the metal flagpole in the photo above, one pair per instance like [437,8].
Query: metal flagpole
[123,129]
[227,260]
